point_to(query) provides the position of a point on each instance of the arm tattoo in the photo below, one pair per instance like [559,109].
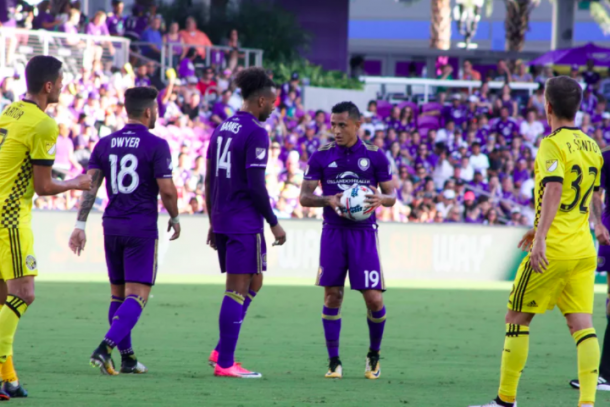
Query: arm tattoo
[88,198]
[596,208]
[308,199]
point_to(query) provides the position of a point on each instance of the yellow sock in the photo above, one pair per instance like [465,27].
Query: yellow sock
[514,356]
[587,347]
[8,371]
[9,319]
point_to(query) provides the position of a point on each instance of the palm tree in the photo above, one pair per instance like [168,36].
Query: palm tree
[440,26]
[517,22]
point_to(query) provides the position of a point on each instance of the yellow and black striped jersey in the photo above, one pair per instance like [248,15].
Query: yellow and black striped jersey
[571,157]
[27,137]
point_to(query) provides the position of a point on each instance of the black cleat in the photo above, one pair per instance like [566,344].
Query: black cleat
[102,359]
[130,365]
[372,370]
[14,390]
[602,384]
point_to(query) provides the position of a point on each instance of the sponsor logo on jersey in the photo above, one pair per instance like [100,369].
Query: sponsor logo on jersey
[260,153]
[364,164]
[346,180]
[551,165]
[30,262]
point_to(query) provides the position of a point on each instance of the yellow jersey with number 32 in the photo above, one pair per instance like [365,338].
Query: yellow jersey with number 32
[571,157]
[27,137]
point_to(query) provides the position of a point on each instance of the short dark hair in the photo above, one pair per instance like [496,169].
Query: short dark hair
[41,69]
[564,94]
[349,107]
[252,81]
[139,99]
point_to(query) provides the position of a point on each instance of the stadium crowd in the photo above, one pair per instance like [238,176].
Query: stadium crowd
[462,158]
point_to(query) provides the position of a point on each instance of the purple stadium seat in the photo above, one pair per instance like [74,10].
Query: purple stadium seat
[427,122]
[431,106]
[384,108]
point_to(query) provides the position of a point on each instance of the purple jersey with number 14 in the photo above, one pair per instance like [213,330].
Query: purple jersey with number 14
[603,256]
[132,160]
[238,144]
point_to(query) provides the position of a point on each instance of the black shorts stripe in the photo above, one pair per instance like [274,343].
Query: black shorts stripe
[521,288]
[15,251]
[584,338]
[18,246]
[526,280]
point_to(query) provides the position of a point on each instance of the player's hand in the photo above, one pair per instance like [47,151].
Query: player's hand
[602,235]
[335,202]
[176,227]
[373,200]
[538,258]
[526,241]
[212,239]
[77,241]
[83,182]
[279,234]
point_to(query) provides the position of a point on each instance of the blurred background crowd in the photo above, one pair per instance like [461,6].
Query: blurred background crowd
[459,157]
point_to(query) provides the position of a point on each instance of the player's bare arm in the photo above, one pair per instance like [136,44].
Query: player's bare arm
[208,203]
[169,197]
[78,239]
[601,233]
[45,184]
[386,198]
[310,200]
[550,204]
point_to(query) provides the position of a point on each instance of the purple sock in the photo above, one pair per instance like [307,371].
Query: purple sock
[249,298]
[331,319]
[376,321]
[229,322]
[125,345]
[124,320]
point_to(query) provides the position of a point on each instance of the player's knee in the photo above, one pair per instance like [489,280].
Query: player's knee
[374,302]
[26,295]
[333,299]
[257,283]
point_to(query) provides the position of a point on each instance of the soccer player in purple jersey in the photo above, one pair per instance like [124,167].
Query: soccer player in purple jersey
[348,245]
[137,166]
[237,201]
[603,266]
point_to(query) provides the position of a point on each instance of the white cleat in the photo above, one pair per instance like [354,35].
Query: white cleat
[494,404]
[602,384]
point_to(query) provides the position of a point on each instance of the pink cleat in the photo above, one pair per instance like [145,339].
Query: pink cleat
[236,371]
[213,359]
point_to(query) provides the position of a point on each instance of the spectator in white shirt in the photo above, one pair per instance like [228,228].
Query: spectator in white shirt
[478,160]
[446,134]
[443,170]
[467,172]
[447,201]
[531,128]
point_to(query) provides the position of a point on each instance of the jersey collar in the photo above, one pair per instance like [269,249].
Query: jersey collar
[352,149]
[31,102]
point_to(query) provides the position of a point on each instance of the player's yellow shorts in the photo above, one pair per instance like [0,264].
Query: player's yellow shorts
[17,257]
[565,283]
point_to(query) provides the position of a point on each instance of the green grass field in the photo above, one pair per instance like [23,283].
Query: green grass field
[441,348]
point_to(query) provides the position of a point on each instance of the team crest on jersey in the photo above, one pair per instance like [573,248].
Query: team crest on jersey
[30,262]
[364,164]
[50,148]
[551,165]
[260,153]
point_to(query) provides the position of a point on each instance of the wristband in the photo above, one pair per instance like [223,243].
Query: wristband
[80,225]
[175,221]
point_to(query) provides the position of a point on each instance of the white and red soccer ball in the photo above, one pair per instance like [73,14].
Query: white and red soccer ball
[354,205]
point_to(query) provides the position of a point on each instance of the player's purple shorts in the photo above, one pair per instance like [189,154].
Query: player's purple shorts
[131,259]
[603,259]
[242,254]
[355,250]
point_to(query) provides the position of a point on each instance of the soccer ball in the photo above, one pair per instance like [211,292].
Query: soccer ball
[354,207]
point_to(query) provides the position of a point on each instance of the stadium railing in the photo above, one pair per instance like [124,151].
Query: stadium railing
[17,45]
[427,87]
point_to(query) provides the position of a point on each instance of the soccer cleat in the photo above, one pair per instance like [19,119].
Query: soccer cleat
[4,396]
[103,360]
[14,390]
[235,371]
[133,368]
[372,370]
[213,359]
[602,384]
[335,369]
[497,403]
